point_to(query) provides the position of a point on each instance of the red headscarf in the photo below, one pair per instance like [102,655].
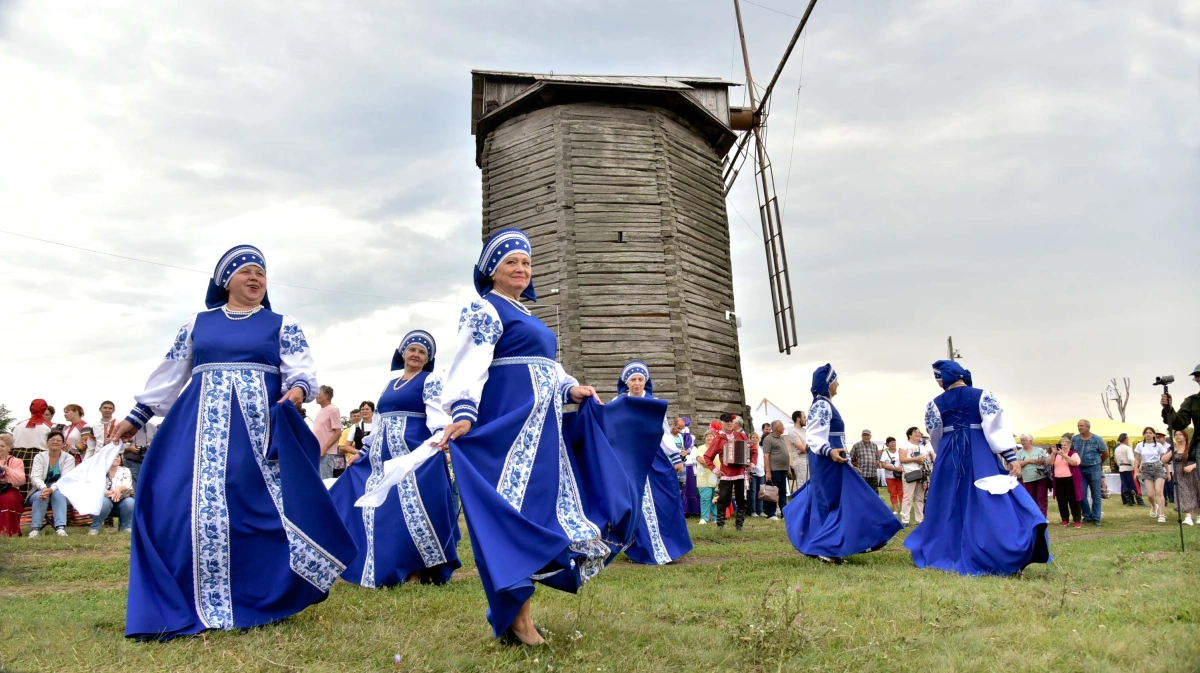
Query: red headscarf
[37,414]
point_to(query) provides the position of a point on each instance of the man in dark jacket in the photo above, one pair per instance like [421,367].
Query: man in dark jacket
[1189,413]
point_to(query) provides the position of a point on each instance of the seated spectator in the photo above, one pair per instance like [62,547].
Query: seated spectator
[118,491]
[1034,462]
[12,478]
[48,467]
[889,461]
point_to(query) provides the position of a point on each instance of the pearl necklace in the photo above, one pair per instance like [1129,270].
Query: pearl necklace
[240,315]
[401,382]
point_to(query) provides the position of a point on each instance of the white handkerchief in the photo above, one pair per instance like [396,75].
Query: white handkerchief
[84,485]
[998,484]
[394,472]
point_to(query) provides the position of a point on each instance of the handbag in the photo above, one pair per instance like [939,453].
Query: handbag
[768,493]
[914,476]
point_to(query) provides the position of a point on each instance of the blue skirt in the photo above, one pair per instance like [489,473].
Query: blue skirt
[836,513]
[968,530]
[663,536]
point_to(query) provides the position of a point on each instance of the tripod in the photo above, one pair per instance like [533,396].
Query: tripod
[1178,508]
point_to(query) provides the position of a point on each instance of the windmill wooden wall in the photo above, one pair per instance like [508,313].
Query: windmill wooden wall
[625,210]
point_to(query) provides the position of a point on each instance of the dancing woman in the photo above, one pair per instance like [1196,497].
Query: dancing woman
[536,509]
[835,513]
[969,530]
[233,526]
[413,536]
[663,536]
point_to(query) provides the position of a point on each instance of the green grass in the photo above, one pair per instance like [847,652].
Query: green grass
[1117,598]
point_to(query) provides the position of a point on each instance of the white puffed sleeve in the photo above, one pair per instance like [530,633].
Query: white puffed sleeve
[479,328]
[933,423]
[431,394]
[668,444]
[167,380]
[565,383]
[995,427]
[820,414]
[296,361]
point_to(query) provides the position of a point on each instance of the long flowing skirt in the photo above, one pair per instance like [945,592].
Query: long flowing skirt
[968,530]
[233,527]
[836,513]
[691,495]
[416,528]
[663,536]
[11,507]
[546,496]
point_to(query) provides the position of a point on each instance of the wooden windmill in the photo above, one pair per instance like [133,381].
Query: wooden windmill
[620,183]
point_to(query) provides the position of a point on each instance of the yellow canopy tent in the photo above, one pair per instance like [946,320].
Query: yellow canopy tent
[1107,429]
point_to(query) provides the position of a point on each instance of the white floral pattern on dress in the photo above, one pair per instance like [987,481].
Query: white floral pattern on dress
[585,536]
[432,389]
[210,509]
[820,413]
[650,515]
[988,404]
[484,328]
[375,456]
[182,348]
[291,340]
[933,419]
[518,465]
[416,517]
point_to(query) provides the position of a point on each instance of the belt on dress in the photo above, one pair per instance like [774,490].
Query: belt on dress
[973,426]
[401,414]
[233,367]
[502,362]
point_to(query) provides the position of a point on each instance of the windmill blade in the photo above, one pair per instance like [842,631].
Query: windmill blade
[787,53]
[777,268]
[734,162]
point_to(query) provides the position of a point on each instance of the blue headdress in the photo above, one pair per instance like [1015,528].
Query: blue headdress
[821,380]
[949,371]
[416,337]
[234,259]
[502,244]
[635,367]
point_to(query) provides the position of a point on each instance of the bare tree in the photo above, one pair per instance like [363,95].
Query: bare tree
[1114,394]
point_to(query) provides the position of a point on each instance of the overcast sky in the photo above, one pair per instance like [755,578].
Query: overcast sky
[1024,176]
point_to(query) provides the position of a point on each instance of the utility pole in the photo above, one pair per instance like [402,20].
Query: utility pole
[950,352]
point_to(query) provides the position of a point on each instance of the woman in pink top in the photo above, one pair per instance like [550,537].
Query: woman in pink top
[1068,480]
[12,478]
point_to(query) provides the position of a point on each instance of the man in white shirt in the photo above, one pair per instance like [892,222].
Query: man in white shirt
[1124,456]
[102,428]
[797,439]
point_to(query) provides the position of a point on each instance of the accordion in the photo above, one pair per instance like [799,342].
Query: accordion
[734,453]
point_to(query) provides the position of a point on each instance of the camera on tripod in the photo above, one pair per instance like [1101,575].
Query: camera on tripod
[1165,382]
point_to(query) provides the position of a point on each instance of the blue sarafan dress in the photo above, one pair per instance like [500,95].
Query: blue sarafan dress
[547,497]
[835,513]
[663,535]
[416,529]
[233,527]
[968,530]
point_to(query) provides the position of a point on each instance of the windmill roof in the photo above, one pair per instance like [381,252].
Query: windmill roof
[656,81]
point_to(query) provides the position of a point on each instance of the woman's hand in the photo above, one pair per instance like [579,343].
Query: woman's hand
[1189,469]
[45,494]
[453,431]
[123,430]
[839,456]
[295,396]
[1014,469]
[578,393]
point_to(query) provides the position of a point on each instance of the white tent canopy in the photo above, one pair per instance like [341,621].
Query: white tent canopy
[766,412]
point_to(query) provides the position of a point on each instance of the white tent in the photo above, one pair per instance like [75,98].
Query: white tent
[766,412]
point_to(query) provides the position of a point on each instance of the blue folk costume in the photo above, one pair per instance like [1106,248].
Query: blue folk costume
[233,526]
[546,497]
[416,529]
[835,513]
[663,536]
[968,530]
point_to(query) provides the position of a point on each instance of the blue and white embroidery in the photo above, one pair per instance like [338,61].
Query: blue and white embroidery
[182,348]
[650,516]
[933,419]
[820,413]
[291,340]
[484,328]
[416,518]
[475,307]
[586,539]
[210,509]
[432,389]
[518,465]
[988,405]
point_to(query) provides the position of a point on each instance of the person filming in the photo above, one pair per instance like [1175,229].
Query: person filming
[1188,414]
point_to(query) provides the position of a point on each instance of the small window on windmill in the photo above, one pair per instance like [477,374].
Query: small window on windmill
[620,237]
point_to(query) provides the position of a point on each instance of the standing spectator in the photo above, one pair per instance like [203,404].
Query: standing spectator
[328,429]
[778,462]
[1169,486]
[1068,480]
[102,428]
[889,461]
[706,483]
[1124,457]
[687,478]
[346,442]
[798,444]
[912,460]
[864,456]
[757,477]
[366,423]
[1093,452]
[49,415]
[12,478]
[136,448]
[48,467]
[1187,482]
[1148,467]
[1035,468]
[29,438]
[118,491]
[77,435]
[732,477]
[1189,412]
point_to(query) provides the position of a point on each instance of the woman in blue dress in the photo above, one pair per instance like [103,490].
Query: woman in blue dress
[413,536]
[969,530]
[546,497]
[835,513]
[233,526]
[663,536]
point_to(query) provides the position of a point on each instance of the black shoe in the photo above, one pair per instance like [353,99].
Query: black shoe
[510,638]
[831,560]
[739,529]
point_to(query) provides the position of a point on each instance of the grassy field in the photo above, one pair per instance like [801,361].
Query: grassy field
[1117,598]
